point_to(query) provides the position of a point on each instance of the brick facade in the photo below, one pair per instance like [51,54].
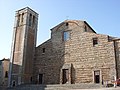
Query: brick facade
[23,47]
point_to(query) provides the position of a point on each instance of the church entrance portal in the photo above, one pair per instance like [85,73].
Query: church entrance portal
[65,76]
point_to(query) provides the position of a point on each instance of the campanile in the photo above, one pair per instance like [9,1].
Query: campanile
[23,47]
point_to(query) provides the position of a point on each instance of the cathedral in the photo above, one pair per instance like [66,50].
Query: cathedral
[74,54]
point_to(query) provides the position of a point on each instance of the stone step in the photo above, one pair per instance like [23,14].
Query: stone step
[56,87]
[74,86]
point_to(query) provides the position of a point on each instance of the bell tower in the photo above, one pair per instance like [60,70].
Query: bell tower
[23,47]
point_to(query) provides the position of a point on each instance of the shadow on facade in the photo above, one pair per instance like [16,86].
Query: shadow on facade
[67,73]
[14,74]
[67,70]
[73,75]
[52,63]
[16,82]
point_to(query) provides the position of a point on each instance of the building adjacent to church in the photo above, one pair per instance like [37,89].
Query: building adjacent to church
[74,54]
[4,68]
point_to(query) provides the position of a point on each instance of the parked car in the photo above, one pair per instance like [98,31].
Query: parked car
[117,82]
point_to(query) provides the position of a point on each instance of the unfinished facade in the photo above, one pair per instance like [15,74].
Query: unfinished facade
[75,53]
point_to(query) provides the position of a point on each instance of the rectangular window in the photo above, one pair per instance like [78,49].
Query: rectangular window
[43,50]
[67,24]
[85,29]
[66,35]
[95,41]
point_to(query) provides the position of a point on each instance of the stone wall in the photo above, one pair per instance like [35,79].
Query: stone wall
[47,63]
[78,55]
[4,66]
[87,58]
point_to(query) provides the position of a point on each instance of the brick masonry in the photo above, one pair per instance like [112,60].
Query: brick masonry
[23,47]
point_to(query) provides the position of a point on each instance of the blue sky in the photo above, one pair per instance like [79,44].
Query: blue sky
[102,15]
